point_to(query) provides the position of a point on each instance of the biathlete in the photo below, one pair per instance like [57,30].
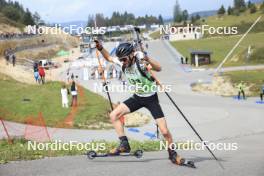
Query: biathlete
[131,62]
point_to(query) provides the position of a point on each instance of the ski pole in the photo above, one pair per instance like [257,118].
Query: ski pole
[104,81]
[122,118]
[137,30]
[185,118]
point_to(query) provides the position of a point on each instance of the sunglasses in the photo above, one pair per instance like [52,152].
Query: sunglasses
[123,59]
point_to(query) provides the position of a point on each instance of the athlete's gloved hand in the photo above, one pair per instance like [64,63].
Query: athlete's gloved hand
[141,56]
[98,45]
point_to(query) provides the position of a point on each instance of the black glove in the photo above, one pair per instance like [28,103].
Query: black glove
[98,45]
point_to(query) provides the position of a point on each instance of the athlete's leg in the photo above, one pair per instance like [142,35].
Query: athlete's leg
[173,155]
[162,124]
[152,104]
[119,111]
[244,97]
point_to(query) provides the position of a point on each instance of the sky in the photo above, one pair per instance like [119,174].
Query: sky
[75,10]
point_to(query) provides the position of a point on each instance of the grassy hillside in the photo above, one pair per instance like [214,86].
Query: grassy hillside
[9,22]
[155,35]
[232,20]
[47,99]
[242,22]
[24,46]
[221,46]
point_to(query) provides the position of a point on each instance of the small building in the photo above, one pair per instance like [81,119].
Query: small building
[199,57]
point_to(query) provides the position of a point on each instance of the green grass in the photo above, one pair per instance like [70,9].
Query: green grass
[5,20]
[220,46]
[21,149]
[155,35]
[232,20]
[242,22]
[47,99]
[254,78]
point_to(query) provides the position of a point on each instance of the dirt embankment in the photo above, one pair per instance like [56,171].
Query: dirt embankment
[44,46]
[220,85]
[36,48]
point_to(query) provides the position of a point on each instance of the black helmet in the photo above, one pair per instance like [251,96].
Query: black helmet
[124,49]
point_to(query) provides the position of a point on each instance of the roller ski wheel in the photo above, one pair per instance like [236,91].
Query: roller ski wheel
[138,153]
[91,155]
[176,159]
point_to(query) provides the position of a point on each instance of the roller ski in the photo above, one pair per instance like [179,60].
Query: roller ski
[176,159]
[122,150]
[92,154]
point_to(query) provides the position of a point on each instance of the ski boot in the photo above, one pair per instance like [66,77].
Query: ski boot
[176,159]
[123,147]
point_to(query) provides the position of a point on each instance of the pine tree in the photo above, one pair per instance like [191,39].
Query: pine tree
[249,5]
[177,13]
[11,13]
[230,11]
[240,5]
[221,11]
[253,8]
[36,18]
[185,15]
[161,20]
[90,22]
[27,18]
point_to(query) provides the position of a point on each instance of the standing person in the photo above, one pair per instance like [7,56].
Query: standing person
[186,60]
[74,94]
[64,96]
[72,76]
[262,92]
[182,60]
[7,57]
[13,59]
[6,54]
[241,87]
[36,72]
[130,62]
[41,74]
[146,45]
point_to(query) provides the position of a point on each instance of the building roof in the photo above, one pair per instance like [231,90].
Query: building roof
[200,52]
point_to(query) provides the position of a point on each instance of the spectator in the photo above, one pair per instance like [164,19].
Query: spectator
[74,94]
[41,74]
[68,76]
[6,54]
[181,60]
[72,76]
[186,60]
[64,96]
[146,45]
[36,73]
[14,60]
